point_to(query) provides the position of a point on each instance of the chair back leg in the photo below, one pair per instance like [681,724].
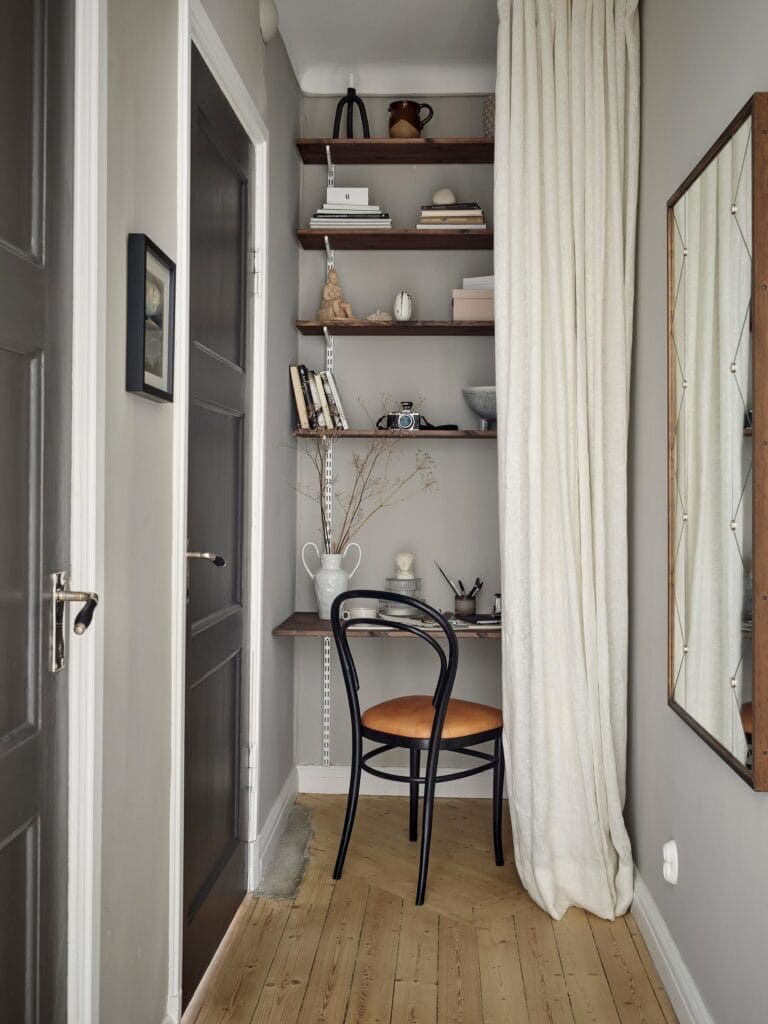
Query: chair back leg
[413,823]
[354,793]
[426,828]
[498,794]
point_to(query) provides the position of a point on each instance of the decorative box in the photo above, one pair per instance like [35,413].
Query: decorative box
[472,304]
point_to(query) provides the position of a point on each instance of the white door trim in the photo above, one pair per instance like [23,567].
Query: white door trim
[86,654]
[196,27]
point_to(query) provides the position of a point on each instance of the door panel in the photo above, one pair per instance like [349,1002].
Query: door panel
[22,89]
[216,436]
[213,783]
[36,128]
[214,855]
[20,498]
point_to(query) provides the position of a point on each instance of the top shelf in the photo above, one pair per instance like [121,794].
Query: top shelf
[397,151]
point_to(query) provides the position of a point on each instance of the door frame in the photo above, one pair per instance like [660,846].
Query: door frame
[87,506]
[195,27]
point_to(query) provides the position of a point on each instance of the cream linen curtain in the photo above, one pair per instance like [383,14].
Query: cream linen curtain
[567,127]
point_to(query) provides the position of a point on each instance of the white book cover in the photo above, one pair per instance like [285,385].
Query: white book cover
[356,196]
[316,401]
[323,401]
[335,392]
[478,282]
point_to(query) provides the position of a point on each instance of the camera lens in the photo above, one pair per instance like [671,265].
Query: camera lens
[407,420]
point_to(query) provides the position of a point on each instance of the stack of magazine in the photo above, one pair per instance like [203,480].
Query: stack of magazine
[318,406]
[451,217]
[349,208]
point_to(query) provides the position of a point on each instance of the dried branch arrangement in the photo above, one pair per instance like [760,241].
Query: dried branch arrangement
[377,484]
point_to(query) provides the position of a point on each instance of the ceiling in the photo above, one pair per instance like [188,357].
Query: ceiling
[418,47]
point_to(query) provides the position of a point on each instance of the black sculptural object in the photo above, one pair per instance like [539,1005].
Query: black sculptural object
[350,101]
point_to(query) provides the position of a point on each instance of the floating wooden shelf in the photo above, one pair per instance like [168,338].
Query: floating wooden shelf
[308,624]
[430,327]
[747,431]
[395,238]
[405,435]
[398,151]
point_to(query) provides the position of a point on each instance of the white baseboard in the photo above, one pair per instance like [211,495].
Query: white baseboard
[262,850]
[314,778]
[680,986]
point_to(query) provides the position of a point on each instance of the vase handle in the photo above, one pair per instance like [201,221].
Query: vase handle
[309,544]
[353,544]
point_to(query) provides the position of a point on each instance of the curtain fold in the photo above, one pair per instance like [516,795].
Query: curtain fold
[566,169]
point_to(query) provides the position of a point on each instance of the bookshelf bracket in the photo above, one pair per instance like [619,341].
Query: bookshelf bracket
[331,168]
[330,256]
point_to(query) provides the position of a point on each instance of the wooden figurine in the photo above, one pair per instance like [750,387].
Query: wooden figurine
[333,306]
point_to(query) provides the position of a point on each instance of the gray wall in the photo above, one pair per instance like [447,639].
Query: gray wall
[457,525]
[701,62]
[141,196]
[277,705]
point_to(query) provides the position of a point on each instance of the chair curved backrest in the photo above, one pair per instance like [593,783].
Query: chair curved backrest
[448,662]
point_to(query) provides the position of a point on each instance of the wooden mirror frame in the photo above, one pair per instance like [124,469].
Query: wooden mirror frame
[757,108]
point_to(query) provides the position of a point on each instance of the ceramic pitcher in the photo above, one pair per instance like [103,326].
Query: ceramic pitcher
[405,120]
[330,579]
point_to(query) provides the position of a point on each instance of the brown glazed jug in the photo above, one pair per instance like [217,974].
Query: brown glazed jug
[405,121]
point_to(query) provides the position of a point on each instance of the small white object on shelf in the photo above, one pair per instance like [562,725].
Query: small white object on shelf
[403,306]
[444,197]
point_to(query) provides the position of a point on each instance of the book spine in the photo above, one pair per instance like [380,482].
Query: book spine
[298,398]
[319,415]
[337,400]
[311,413]
[318,383]
[332,407]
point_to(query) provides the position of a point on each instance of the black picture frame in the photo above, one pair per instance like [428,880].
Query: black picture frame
[151,325]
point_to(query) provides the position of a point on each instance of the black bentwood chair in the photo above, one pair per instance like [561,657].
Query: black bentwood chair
[417,723]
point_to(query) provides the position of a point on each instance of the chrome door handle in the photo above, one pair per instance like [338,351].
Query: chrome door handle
[209,556]
[60,597]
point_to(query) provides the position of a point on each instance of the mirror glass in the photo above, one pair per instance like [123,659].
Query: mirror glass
[711,447]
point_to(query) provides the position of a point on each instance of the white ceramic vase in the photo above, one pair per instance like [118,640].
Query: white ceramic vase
[403,306]
[330,579]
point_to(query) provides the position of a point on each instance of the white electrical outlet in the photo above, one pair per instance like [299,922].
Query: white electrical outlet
[670,865]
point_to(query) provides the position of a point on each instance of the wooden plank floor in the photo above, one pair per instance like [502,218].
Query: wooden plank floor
[479,951]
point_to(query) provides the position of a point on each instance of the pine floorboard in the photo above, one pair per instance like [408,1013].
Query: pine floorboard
[479,951]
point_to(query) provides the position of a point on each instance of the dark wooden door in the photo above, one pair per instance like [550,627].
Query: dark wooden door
[36,84]
[214,855]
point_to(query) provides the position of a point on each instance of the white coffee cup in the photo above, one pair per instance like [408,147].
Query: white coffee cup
[357,611]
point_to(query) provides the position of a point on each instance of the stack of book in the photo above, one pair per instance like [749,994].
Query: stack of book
[451,217]
[318,406]
[349,208]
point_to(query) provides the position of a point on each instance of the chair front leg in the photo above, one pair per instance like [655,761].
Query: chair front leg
[426,828]
[498,794]
[354,792]
[413,823]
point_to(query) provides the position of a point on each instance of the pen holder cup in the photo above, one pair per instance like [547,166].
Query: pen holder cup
[465,605]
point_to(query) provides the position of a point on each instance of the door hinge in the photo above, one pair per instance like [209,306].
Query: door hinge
[256,274]
[250,766]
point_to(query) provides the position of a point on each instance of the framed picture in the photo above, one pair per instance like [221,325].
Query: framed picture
[150,335]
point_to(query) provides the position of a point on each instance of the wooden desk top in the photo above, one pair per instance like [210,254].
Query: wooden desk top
[307,624]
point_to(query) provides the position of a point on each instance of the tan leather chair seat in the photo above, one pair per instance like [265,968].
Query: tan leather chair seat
[413,716]
[747,718]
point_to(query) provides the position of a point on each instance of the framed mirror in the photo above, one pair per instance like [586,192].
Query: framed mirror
[717,261]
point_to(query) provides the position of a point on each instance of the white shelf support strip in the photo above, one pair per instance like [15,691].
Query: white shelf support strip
[331,168]
[330,256]
[328,508]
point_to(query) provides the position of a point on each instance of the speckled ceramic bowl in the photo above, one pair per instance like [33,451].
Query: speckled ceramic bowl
[482,402]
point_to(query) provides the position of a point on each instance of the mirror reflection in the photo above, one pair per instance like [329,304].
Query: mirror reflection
[711,447]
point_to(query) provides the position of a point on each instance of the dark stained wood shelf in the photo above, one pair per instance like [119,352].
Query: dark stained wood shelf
[405,435]
[394,238]
[747,431]
[308,624]
[398,151]
[429,327]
